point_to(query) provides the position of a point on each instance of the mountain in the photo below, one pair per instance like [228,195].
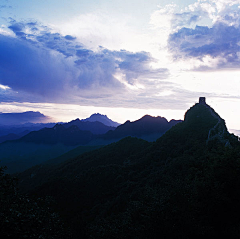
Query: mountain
[75,132]
[235,131]
[18,131]
[21,151]
[101,118]
[184,185]
[23,129]
[70,135]
[22,118]
[19,156]
[148,128]
[96,127]
[9,137]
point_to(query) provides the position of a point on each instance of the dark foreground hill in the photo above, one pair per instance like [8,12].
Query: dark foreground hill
[184,185]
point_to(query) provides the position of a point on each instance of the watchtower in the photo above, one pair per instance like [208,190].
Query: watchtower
[202,100]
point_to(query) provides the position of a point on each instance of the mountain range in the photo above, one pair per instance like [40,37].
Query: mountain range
[79,132]
[148,127]
[70,135]
[183,185]
[16,125]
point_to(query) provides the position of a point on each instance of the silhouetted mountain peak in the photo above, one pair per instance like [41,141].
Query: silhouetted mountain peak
[203,114]
[202,123]
[103,119]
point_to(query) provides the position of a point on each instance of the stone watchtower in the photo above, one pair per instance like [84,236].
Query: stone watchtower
[202,100]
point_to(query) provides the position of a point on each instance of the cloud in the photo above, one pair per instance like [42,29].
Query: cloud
[70,38]
[3,6]
[17,27]
[216,46]
[221,39]
[185,19]
[27,68]
[39,64]
[99,28]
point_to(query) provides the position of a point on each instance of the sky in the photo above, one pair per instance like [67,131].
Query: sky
[70,59]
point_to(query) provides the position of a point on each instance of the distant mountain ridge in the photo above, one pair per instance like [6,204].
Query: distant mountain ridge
[22,118]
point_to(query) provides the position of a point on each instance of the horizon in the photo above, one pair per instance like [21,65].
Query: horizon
[51,120]
[71,59]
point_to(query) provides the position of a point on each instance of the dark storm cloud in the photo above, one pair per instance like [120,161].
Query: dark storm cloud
[42,65]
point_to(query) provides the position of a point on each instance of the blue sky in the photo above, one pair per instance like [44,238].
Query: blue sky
[72,58]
